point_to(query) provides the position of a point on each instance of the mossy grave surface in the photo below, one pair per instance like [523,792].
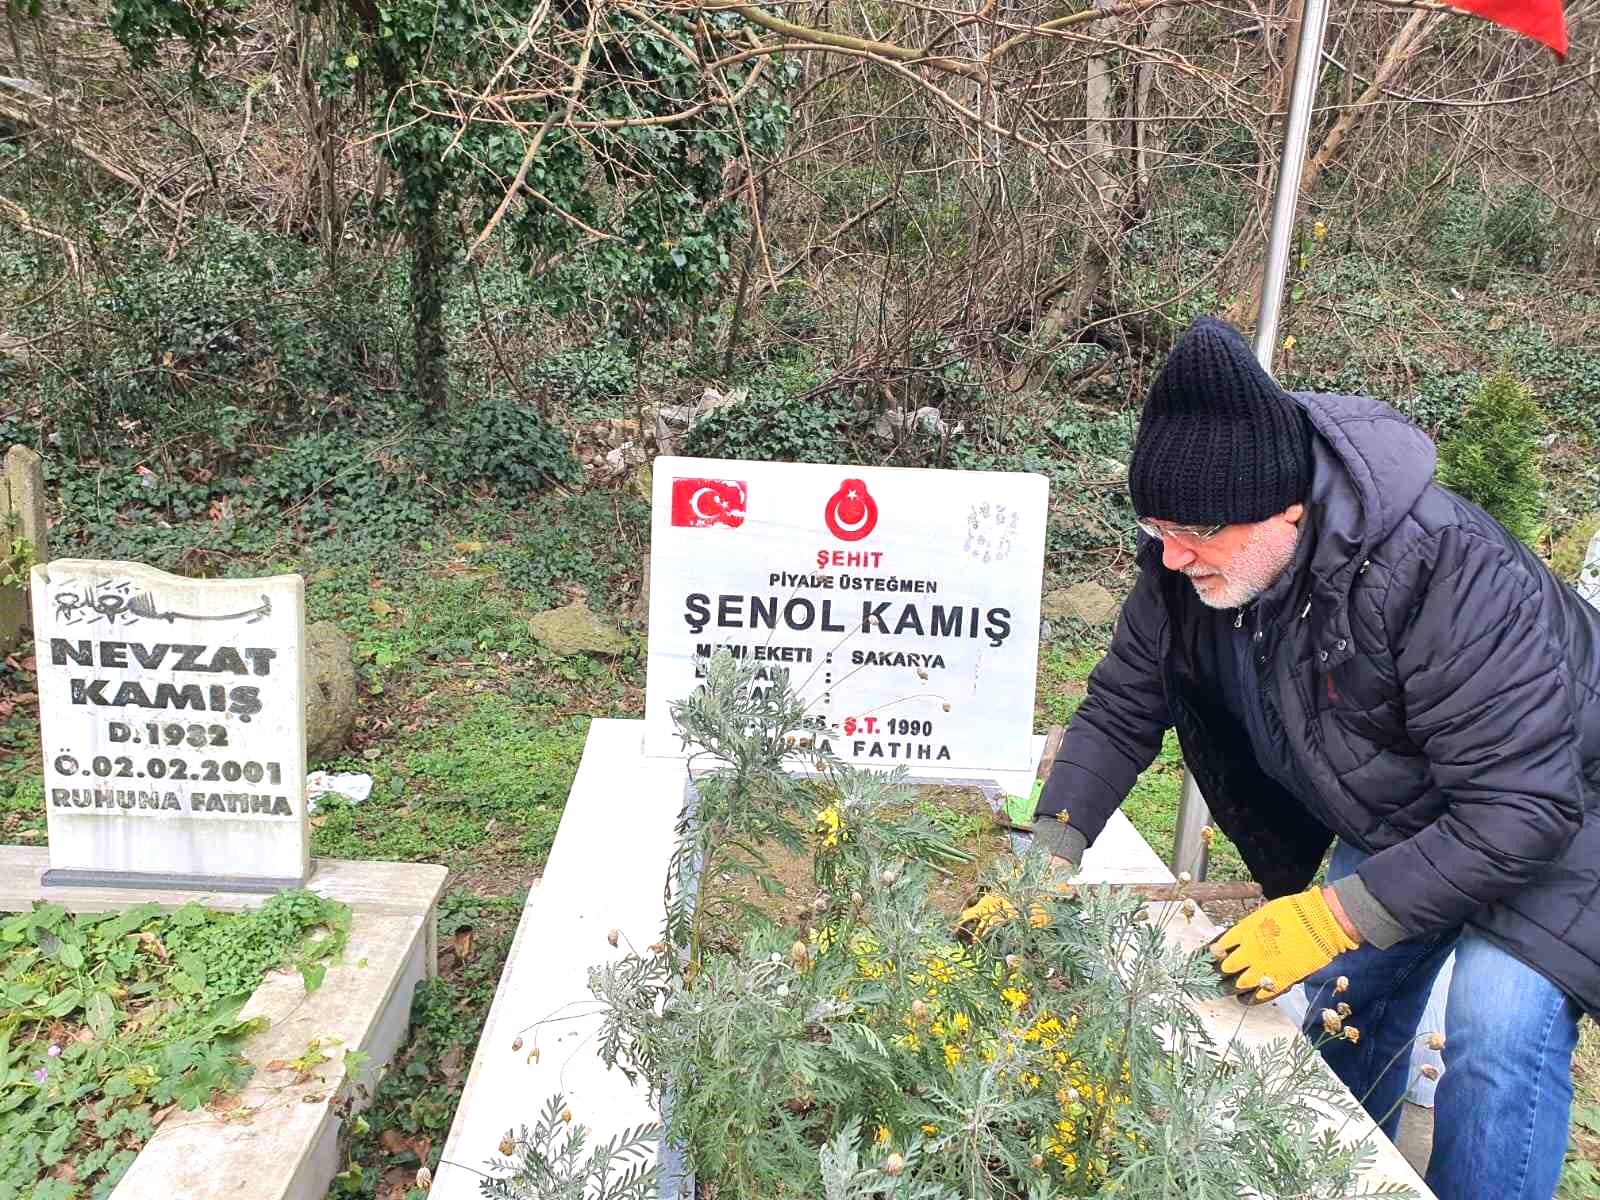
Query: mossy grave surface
[961,814]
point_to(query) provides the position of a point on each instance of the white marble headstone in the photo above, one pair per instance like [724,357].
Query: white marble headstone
[173,726]
[1589,577]
[902,604]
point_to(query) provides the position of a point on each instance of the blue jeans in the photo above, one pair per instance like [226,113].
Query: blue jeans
[1504,1100]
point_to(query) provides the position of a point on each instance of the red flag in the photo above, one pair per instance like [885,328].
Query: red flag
[698,503]
[1542,20]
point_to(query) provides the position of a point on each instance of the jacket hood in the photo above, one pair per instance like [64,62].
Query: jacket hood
[1369,467]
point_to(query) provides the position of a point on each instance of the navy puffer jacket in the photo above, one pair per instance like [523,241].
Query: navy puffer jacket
[1439,690]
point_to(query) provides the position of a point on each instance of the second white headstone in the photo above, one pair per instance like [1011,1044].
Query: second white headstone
[173,727]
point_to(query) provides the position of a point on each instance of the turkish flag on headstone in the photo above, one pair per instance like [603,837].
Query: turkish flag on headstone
[1542,20]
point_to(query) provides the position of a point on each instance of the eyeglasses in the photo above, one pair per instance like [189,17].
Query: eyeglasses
[1189,533]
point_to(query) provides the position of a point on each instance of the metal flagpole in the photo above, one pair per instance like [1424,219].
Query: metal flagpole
[1189,850]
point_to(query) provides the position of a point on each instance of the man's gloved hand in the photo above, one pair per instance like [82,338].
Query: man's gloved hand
[1279,944]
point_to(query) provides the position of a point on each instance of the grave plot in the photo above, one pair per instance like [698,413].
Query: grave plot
[311,1065]
[545,1032]
[886,1043]
[172,721]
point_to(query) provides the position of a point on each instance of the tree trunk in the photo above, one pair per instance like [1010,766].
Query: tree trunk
[1146,138]
[429,262]
[1029,375]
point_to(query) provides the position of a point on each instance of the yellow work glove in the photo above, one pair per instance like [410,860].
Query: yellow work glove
[1279,944]
[994,909]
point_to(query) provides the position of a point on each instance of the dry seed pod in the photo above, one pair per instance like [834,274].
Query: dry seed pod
[424,1178]
[516,1044]
[1038,1162]
[657,947]
[855,898]
[1429,1071]
[613,936]
[1352,1034]
[919,1011]
[888,877]
[819,905]
[1343,1009]
[798,954]
[894,1164]
[566,1115]
[1341,984]
[507,1146]
[1013,962]
[1436,1041]
[1332,1022]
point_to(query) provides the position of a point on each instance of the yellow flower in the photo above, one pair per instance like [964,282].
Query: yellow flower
[960,1023]
[940,971]
[930,1130]
[883,1134]
[952,1054]
[1015,997]
[831,826]
[1288,342]
[1319,231]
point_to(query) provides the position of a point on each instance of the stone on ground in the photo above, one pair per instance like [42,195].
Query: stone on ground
[330,690]
[1086,602]
[573,629]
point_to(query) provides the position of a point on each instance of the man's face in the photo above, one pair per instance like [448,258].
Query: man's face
[1239,562]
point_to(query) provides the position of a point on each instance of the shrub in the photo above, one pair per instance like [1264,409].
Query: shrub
[1045,1047]
[780,421]
[1518,228]
[1491,457]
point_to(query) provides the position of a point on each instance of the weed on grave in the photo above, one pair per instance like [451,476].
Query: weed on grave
[111,1022]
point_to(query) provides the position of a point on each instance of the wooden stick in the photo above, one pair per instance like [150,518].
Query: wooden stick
[1047,760]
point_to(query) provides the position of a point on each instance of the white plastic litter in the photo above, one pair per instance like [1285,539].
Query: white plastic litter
[352,785]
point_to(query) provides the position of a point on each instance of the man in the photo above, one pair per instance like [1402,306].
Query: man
[1351,653]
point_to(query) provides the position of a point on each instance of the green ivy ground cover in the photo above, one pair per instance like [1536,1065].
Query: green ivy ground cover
[110,1021]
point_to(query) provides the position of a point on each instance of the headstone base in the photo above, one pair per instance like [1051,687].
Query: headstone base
[181,883]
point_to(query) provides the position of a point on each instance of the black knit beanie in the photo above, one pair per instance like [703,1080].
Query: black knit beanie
[1219,441]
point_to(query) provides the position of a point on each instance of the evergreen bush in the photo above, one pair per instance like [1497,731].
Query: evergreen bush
[1491,457]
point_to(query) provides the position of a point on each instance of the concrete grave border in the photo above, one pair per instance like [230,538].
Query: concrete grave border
[289,1149]
[606,871]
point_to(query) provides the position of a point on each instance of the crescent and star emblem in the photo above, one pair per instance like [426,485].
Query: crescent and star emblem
[851,512]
